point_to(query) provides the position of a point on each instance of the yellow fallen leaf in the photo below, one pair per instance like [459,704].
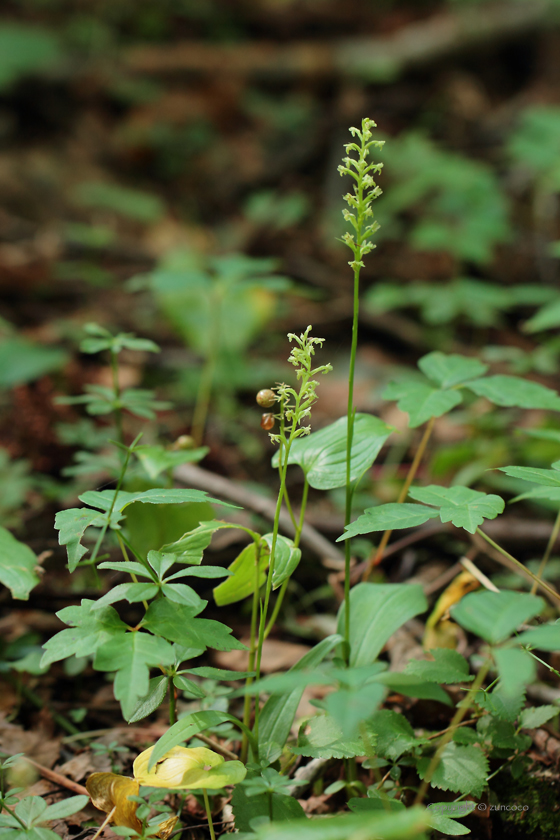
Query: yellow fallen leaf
[108,791]
[440,630]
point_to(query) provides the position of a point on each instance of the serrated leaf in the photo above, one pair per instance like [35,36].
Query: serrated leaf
[325,740]
[495,615]
[545,478]
[461,769]
[464,507]
[389,517]
[377,610]
[501,705]
[447,666]
[322,454]
[131,655]
[516,668]
[515,391]
[17,566]
[244,578]
[72,524]
[89,629]
[278,713]
[395,735]
[286,558]
[157,690]
[421,401]
[190,547]
[178,624]
[131,592]
[349,707]
[448,370]
[103,499]
[535,716]
[544,637]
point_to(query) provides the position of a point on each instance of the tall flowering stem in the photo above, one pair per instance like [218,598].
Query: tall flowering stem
[360,216]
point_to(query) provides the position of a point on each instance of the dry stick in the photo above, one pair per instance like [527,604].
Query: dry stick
[218,485]
[376,559]
[547,553]
[104,824]
[519,566]
[58,778]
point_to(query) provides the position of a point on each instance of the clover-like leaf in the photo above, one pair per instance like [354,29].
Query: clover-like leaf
[495,615]
[515,391]
[420,400]
[449,370]
[388,517]
[464,507]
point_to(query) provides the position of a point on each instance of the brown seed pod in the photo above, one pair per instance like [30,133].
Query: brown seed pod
[267,422]
[266,398]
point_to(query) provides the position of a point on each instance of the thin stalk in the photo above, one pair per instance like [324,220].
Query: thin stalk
[126,557]
[105,823]
[297,537]
[117,410]
[208,813]
[462,709]
[270,806]
[548,552]
[172,701]
[204,393]
[252,652]
[14,815]
[413,469]
[525,570]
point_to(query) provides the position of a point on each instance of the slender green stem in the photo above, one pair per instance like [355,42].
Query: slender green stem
[462,709]
[524,569]
[376,558]
[200,413]
[548,552]
[270,816]
[14,815]
[172,701]
[117,410]
[208,813]
[252,649]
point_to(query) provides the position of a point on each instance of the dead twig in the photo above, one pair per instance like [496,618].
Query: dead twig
[58,778]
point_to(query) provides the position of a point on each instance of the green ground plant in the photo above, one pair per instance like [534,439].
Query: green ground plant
[151,658]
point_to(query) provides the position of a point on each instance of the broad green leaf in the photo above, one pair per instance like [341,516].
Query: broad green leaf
[158,459]
[548,317]
[157,690]
[103,499]
[286,558]
[450,370]
[414,687]
[65,808]
[23,361]
[464,507]
[243,579]
[89,629]
[379,825]
[322,454]
[495,615]
[349,707]
[190,547]
[178,624]
[377,610]
[131,592]
[72,525]
[515,391]
[31,809]
[189,726]
[443,817]
[180,593]
[395,735]
[278,713]
[325,740]
[546,478]
[388,517]
[516,668]
[544,637]
[375,803]
[131,655]
[535,716]
[248,808]
[18,565]
[461,769]
[447,666]
[501,705]
[420,400]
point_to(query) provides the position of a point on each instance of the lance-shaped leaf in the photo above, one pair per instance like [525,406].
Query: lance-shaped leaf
[188,769]
[243,579]
[547,481]
[103,499]
[131,655]
[190,547]
[464,507]
[177,623]
[447,666]
[72,525]
[421,400]
[18,566]
[515,391]
[495,615]
[153,699]
[449,370]
[286,558]
[388,517]
[88,630]
[322,454]
[377,610]
[131,592]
